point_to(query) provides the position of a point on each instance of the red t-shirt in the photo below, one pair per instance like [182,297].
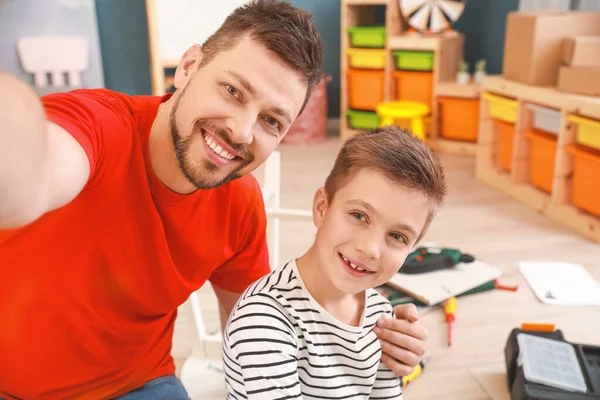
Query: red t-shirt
[89,292]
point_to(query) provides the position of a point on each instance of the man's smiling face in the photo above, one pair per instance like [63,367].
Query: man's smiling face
[232,112]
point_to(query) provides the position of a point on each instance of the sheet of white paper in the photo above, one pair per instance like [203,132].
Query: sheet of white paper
[561,283]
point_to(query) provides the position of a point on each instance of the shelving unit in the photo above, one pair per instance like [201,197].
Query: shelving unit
[447,50]
[558,203]
[355,13]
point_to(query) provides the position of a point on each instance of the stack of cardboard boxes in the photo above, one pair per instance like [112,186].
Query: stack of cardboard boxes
[549,48]
[580,72]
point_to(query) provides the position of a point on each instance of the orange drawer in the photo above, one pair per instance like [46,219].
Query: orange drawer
[586,169]
[459,118]
[365,88]
[414,86]
[542,155]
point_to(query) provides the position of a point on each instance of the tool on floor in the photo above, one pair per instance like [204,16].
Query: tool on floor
[449,310]
[429,259]
[541,364]
[413,375]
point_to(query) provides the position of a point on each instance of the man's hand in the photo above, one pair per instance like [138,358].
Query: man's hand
[42,166]
[402,339]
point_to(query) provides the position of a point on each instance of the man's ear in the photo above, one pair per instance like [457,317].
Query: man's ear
[319,207]
[188,65]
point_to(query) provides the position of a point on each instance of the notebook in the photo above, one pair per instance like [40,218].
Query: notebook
[434,287]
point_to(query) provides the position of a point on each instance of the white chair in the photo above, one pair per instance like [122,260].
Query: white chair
[54,55]
[210,344]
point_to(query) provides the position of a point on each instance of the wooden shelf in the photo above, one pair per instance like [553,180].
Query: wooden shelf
[418,41]
[547,96]
[585,224]
[525,193]
[453,89]
[452,147]
[557,204]
[413,42]
[447,48]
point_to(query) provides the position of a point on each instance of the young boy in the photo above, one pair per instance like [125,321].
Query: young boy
[306,329]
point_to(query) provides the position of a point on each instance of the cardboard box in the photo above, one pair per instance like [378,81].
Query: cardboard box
[581,51]
[579,80]
[534,43]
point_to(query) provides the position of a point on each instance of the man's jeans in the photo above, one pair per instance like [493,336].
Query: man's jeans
[167,387]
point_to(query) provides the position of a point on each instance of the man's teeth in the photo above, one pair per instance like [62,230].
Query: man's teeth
[353,265]
[218,149]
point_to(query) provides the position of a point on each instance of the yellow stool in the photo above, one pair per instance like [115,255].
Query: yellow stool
[414,111]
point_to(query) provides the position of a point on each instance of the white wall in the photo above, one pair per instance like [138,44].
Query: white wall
[19,18]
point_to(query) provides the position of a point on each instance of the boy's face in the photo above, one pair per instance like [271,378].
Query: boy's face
[368,230]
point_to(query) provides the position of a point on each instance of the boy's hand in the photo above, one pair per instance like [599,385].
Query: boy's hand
[402,339]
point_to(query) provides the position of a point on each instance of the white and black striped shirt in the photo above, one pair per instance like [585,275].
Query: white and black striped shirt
[281,344]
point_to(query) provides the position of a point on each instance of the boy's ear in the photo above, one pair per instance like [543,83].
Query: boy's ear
[319,207]
[188,65]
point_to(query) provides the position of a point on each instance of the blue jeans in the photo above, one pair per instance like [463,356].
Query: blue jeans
[166,387]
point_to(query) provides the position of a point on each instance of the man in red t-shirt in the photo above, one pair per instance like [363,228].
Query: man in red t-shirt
[114,208]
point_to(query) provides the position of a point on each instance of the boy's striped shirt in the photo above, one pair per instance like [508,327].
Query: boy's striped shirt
[281,344]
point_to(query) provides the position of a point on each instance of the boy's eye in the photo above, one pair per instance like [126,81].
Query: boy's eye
[232,91]
[359,216]
[398,237]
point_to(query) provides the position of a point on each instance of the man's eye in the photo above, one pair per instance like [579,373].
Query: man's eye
[272,121]
[232,91]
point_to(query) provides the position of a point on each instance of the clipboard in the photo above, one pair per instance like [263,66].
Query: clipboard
[434,287]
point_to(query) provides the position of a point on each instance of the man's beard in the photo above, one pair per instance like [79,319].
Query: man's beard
[199,175]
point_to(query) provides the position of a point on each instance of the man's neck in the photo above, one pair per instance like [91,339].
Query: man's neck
[162,154]
[347,308]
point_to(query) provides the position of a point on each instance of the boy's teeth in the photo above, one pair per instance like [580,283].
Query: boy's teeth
[353,265]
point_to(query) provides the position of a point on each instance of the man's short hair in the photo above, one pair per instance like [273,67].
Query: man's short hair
[284,29]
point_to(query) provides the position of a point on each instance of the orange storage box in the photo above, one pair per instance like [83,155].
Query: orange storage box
[542,155]
[365,88]
[586,169]
[414,86]
[459,118]
[505,140]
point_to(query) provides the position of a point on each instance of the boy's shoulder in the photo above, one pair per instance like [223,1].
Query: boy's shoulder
[273,288]
[377,303]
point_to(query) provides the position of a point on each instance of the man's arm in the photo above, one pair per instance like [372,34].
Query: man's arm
[402,339]
[226,301]
[42,167]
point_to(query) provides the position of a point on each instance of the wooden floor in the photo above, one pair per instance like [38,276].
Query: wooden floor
[480,221]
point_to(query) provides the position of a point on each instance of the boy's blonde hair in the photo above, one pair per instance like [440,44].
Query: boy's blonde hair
[398,155]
